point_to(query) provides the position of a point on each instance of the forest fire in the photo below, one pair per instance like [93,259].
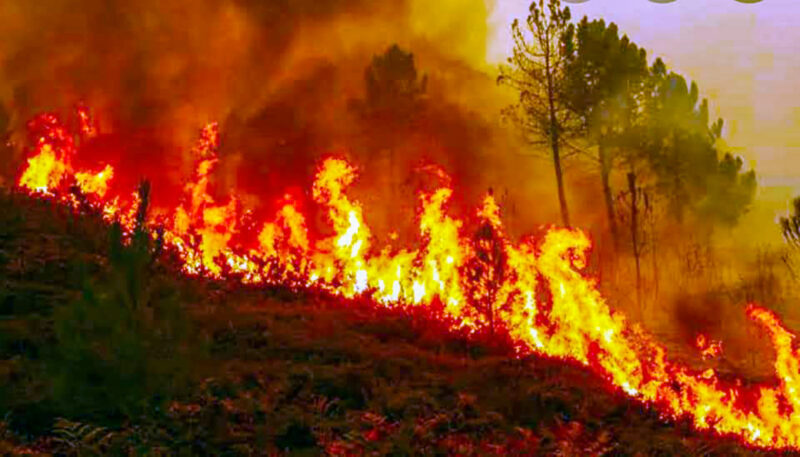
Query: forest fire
[534,288]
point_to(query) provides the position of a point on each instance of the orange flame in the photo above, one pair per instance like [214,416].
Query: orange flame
[97,183]
[709,349]
[535,288]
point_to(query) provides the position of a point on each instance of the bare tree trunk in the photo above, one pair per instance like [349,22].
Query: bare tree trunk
[654,258]
[605,174]
[554,139]
[635,239]
[562,198]
[392,188]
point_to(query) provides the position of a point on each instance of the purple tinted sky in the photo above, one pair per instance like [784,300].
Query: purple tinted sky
[744,57]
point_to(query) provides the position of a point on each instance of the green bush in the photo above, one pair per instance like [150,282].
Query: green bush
[123,346]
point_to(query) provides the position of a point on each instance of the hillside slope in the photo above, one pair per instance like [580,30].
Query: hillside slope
[276,372]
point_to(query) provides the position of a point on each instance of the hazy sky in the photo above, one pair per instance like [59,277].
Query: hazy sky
[744,57]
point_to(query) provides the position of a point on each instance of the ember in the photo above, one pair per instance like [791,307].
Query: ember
[708,348]
[490,280]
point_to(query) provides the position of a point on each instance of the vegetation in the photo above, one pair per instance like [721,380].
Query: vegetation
[667,178]
[790,224]
[120,347]
[105,349]
[586,84]
[284,374]
[393,88]
[602,75]
[537,69]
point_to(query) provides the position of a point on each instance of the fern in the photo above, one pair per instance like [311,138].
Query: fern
[83,439]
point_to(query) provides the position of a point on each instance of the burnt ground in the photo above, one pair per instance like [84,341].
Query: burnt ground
[273,372]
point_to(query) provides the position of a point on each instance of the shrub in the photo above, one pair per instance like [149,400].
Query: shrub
[123,346]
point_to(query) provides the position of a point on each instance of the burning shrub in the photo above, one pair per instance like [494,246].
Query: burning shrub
[123,343]
[485,271]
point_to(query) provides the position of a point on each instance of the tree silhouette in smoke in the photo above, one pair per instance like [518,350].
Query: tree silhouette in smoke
[601,80]
[790,224]
[393,87]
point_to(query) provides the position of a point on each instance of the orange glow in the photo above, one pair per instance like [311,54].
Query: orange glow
[97,183]
[535,289]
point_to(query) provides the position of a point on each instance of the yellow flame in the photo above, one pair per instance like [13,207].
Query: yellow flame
[535,288]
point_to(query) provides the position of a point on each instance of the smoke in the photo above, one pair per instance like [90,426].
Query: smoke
[282,78]
[150,63]
[285,81]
